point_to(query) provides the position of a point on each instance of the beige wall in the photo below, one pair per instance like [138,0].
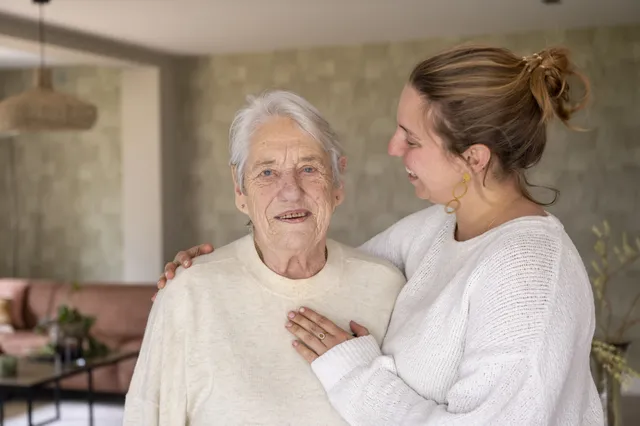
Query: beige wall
[141,184]
[69,187]
[357,89]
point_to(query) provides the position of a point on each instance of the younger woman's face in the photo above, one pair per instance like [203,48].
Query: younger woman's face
[431,169]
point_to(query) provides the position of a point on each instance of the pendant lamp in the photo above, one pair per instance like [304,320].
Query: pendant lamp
[42,108]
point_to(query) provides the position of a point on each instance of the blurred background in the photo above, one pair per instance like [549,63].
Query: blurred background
[90,212]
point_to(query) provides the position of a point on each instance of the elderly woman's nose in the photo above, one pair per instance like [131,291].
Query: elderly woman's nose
[291,187]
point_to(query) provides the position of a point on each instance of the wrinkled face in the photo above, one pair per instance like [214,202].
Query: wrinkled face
[289,192]
[430,168]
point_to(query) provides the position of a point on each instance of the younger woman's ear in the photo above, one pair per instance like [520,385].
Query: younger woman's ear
[477,157]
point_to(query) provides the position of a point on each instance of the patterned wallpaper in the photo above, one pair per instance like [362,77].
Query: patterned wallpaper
[357,89]
[68,187]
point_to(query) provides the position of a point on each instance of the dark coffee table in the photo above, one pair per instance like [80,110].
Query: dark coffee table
[34,375]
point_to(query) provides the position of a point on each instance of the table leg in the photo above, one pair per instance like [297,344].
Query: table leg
[29,408]
[56,396]
[90,395]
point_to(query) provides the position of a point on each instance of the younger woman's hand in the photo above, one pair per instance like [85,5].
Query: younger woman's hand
[183,258]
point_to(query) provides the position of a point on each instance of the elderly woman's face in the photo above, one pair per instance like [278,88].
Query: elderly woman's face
[289,191]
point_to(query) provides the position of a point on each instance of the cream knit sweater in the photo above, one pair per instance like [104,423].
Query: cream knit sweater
[492,331]
[216,352]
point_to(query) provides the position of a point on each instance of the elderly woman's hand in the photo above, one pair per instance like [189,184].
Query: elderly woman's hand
[316,334]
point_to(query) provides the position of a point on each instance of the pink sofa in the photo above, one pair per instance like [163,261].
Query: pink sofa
[121,312]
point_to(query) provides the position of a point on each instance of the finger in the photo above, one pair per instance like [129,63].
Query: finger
[170,270]
[183,258]
[162,282]
[200,250]
[324,323]
[311,327]
[306,353]
[307,338]
[153,298]
[359,330]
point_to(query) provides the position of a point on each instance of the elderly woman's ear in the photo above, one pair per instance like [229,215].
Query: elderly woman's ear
[338,193]
[241,202]
[343,164]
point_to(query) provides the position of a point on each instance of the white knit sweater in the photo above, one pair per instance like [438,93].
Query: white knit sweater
[216,351]
[495,330]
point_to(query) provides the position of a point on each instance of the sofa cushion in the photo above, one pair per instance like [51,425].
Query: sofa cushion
[121,311]
[22,343]
[14,289]
[126,367]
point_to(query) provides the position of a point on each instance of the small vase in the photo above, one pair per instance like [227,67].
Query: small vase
[610,389]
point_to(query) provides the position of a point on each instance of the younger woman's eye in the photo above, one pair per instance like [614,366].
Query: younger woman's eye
[411,143]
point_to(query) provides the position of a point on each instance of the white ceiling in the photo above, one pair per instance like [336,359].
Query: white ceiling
[220,26]
[12,58]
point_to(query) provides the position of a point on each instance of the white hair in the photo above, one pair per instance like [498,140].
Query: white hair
[280,103]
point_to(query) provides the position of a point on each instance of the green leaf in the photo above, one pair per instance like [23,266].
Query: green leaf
[596,267]
[607,229]
[598,282]
[628,250]
[596,231]
[600,248]
[619,254]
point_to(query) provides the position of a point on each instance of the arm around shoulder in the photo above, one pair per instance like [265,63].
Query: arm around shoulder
[394,243]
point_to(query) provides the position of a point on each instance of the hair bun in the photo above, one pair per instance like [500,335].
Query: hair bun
[549,73]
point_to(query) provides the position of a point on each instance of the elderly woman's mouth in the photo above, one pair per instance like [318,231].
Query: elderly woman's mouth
[294,216]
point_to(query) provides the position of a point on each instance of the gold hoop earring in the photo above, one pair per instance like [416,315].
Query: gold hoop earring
[458,192]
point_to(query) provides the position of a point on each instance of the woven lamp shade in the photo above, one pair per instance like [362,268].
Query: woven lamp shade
[43,109]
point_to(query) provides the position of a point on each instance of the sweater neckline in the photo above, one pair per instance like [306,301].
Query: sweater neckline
[450,228]
[327,278]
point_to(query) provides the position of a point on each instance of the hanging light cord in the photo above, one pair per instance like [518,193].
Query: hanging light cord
[41,35]
[15,209]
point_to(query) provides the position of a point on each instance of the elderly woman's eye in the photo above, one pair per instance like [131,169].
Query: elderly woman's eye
[308,169]
[266,173]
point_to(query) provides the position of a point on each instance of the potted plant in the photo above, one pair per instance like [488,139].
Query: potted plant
[610,344]
[70,333]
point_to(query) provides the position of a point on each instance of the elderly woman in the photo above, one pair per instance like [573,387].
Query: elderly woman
[215,348]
